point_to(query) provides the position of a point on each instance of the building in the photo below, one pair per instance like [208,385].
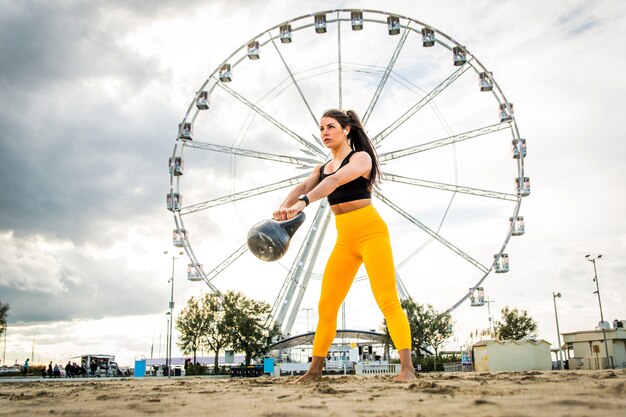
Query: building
[511,355]
[585,349]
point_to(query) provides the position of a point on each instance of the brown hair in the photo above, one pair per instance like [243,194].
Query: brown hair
[358,139]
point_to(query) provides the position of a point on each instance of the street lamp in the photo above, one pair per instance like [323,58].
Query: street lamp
[595,278]
[307,317]
[167,337]
[4,353]
[171,312]
[558,332]
[488,302]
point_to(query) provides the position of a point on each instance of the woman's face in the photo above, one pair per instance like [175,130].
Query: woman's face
[332,133]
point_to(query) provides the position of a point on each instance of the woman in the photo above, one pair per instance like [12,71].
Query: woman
[362,236]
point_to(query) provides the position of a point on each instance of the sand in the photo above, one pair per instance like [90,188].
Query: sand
[510,394]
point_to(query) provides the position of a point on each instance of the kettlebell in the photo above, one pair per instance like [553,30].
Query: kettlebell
[269,239]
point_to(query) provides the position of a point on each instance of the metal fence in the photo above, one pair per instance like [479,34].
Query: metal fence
[377,368]
[457,367]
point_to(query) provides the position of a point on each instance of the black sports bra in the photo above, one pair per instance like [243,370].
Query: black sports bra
[357,189]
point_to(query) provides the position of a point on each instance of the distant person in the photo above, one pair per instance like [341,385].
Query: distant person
[68,370]
[93,367]
[26,366]
[50,370]
[56,371]
[43,371]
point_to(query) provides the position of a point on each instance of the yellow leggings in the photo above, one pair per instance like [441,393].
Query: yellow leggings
[362,237]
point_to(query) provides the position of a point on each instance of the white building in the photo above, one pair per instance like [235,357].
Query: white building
[511,355]
[586,350]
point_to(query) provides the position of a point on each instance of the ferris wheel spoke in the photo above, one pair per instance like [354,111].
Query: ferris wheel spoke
[243,194]
[403,293]
[430,232]
[385,76]
[293,79]
[449,187]
[210,276]
[376,140]
[303,162]
[443,142]
[275,122]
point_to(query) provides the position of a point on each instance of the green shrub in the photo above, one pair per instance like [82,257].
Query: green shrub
[196,369]
[428,362]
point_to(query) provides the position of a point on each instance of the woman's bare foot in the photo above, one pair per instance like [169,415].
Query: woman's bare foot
[406,375]
[315,371]
[308,377]
[407,372]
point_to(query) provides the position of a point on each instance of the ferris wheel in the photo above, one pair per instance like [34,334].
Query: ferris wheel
[451,156]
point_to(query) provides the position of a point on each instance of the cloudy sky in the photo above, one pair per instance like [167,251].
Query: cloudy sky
[92,95]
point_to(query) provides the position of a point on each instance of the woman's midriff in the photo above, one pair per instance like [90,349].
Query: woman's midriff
[343,208]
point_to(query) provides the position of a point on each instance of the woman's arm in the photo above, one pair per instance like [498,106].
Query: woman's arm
[360,164]
[297,191]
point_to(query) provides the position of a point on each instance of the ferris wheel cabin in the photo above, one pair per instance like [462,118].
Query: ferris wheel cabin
[428,37]
[506,112]
[517,224]
[522,187]
[356,20]
[518,146]
[254,50]
[459,56]
[477,299]
[320,23]
[501,263]
[174,201]
[180,238]
[176,166]
[185,131]
[285,34]
[225,74]
[193,272]
[393,25]
[202,102]
[485,81]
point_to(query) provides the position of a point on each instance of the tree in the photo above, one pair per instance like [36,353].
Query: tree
[4,308]
[439,329]
[428,327]
[245,320]
[192,323]
[216,334]
[515,325]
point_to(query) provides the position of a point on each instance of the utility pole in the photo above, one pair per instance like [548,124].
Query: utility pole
[169,342]
[558,332]
[488,302]
[595,278]
[167,346]
[307,317]
[4,353]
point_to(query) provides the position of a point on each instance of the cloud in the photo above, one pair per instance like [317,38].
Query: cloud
[48,281]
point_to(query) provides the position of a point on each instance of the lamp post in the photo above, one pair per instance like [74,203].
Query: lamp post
[4,353]
[488,302]
[167,337]
[171,312]
[595,278]
[307,317]
[558,332]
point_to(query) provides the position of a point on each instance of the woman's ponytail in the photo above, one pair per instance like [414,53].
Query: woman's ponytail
[359,141]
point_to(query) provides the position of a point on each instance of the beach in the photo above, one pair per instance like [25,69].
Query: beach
[511,394]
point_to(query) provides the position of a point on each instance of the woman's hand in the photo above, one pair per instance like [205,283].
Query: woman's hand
[286,213]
